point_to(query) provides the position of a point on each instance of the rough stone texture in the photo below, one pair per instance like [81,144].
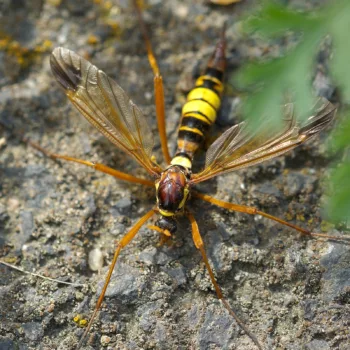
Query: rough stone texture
[292,292]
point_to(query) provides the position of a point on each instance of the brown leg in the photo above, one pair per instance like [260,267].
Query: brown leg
[158,87]
[254,211]
[198,242]
[123,242]
[97,166]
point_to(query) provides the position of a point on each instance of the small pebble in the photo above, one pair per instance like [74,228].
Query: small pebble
[95,259]
[2,142]
[79,296]
[33,331]
[105,340]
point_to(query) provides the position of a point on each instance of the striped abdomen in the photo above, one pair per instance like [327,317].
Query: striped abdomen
[200,110]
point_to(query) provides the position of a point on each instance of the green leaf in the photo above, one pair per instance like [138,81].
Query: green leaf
[274,19]
[255,73]
[289,77]
[341,136]
[340,29]
[338,207]
[275,81]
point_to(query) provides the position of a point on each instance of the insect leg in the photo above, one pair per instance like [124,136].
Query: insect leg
[160,230]
[123,242]
[165,235]
[198,242]
[158,86]
[255,211]
[97,166]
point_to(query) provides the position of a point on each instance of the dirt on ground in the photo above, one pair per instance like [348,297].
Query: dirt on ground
[63,220]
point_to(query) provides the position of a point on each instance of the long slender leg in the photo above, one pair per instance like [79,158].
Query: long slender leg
[123,242]
[198,242]
[97,166]
[254,211]
[158,87]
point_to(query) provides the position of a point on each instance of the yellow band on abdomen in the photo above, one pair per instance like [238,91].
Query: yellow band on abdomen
[219,87]
[202,107]
[197,116]
[205,94]
[181,160]
[194,130]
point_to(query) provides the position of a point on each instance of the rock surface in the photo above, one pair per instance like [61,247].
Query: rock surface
[292,292]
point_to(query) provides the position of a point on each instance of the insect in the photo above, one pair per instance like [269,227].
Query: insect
[107,107]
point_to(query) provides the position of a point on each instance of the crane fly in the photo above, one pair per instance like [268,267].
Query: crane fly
[109,109]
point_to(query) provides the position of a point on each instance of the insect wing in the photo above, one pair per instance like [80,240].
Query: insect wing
[240,147]
[105,105]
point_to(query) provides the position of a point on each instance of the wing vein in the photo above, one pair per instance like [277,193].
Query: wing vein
[240,146]
[105,105]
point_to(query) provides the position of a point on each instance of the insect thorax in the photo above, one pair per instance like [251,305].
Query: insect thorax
[172,190]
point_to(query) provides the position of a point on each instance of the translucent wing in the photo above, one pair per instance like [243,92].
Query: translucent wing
[240,147]
[105,105]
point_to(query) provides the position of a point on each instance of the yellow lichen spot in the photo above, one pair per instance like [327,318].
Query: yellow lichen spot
[300,217]
[108,5]
[22,55]
[55,3]
[289,216]
[3,43]
[115,27]
[326,226]
[46,45]
[92,39]
[14,45]
[80,321]
[141,4]
[83,323]
[10,260]
[20,61]
[199,19]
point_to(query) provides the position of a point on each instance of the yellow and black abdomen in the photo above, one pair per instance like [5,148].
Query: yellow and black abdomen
[200,110]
